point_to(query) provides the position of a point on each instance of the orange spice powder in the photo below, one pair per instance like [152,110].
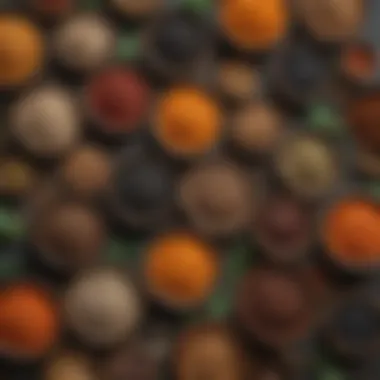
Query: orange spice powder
[188,121]
[181,268]
[21,50]
[28,321]
[352,232]
[253,24]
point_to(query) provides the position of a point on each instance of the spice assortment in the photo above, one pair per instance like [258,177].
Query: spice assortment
[188,190]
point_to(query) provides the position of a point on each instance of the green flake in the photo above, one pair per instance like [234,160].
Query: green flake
[237,261]
[373,189]
[12,224]
[331,373]
[116,252]
[328,370]
[198,6]
[16,227]
[3,219]
[128,46]
[91,5]
[324,119]
[121,251]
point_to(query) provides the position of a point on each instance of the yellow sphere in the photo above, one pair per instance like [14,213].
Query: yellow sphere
[21,50]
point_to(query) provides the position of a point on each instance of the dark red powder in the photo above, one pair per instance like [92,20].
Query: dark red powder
[283,219]
[118,99]
[53,7]
[363,116]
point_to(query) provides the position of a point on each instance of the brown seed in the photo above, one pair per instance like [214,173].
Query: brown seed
[69,236]
[264,369]
[87,171]
[358,62]
[217,198]
[283,229]
[331,20]
[84,43]
[52,9]
[208,352]
[273,306]
[46,122]
[256,128]
[237,81]
[17,178]
[69,366]
[368,162]
[307,166]
[132,362]
[363,116]
[102,307]
[353,331]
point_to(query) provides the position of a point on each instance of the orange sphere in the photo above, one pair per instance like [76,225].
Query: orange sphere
[21,50]
[188,121]
[253,24]
[180,269]
[352,233]
[28,321]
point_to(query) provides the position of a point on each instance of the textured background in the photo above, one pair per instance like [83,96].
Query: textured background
[127,251]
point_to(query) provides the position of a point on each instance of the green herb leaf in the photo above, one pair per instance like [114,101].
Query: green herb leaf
[91,5]
[238,260]
[324,119]
[121,251]
[128,46]
[198,6]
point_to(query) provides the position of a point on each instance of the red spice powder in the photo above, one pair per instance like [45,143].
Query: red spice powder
[118,98]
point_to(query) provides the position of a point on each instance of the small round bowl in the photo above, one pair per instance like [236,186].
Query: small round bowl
[274,307]
[166,270]
[140,193]
[283,229]
[84,43]
[352,207]
[237,82]
[130,361]
[255,129]
[210,349]
[297,72]
[187,122]
[62,365]
[307,166]
[29,321]
[325,20]
[250,26]
[217,197]
[69,236]
[116,102]
[86,172]
[102,307]
[176,46]
[46,121]
[23,52]
[353,331]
